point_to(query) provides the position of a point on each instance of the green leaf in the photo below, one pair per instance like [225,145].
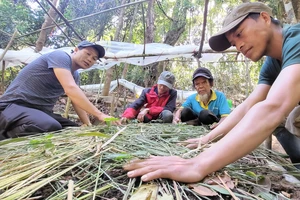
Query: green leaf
[119,156]
[266,196]
[260,179]
[251,174]
[99,134]
[49,136]
[110,119]
[220,189]
[12,141]
[49,145]
[36,141]
[224,191]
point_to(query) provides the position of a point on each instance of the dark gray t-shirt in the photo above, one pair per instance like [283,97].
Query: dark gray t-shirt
[290,56]
[36,85]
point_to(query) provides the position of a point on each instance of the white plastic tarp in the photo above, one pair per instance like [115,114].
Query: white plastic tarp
[118,52]
[137,90]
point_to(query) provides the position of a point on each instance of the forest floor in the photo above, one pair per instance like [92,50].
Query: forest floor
[277,182]
[121,105]
[42,166]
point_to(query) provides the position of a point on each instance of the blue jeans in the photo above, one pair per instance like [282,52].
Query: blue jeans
[166,116]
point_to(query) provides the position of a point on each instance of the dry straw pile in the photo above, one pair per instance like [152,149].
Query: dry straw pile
[86,163]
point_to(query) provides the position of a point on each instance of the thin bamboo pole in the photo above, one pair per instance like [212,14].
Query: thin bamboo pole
[4,52]
[84,17]
[70,189]
[68,105]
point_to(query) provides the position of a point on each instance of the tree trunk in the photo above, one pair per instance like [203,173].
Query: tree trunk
[63,5]
[150,22]
[178,23]
[130,38]
[48,22]
[289,10]
[177,28]
[150,70]
[296,6]
[109,72]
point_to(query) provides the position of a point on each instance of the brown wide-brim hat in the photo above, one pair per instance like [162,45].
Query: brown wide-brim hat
[219,42]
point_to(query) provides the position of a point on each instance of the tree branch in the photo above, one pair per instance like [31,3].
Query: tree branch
[203,30]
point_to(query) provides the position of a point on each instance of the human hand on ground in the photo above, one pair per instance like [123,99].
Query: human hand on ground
[102,117]
[214,125]
[124,120]
[193,143]
[86,125]
[176,120]
[118,122]
[172,167]
[142,114]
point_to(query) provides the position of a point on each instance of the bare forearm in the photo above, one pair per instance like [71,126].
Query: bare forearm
[75,94]
[222,119]
[78,98]
[224,127]
[177,117]
[178,112]
[82,115]
[258,95]
[242,139]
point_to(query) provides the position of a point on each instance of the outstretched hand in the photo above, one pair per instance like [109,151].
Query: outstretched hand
[176,120]
[142,114]
[118,122]
[172,167]
[103,116]
[200,142]
[214,125]
[192,143]
[124,120]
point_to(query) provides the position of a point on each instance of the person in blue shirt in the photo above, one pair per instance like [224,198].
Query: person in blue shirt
[207,106]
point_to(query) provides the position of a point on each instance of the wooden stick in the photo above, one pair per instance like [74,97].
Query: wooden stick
[200,146]
[4,52]
[113,137]
[228,189]
[68,105]
[70,189]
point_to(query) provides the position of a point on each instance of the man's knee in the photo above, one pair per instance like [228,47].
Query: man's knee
[47,125]
[16,120]
[293,121]
[167,116]
[207,117]
[31,129]
[290,143]
[187,114]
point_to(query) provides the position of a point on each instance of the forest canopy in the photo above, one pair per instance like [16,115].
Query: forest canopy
[64,23]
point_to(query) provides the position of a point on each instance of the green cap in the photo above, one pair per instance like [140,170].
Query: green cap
[219,42]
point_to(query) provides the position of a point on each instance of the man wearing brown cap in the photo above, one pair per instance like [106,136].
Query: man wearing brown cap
[158,102]
[206,106]
[252,29]
[26,106]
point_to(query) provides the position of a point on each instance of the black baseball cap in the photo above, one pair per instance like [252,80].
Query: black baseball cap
[202,72]
[99,48]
